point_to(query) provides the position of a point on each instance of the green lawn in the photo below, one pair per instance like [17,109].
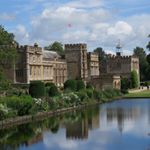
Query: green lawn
[145,94]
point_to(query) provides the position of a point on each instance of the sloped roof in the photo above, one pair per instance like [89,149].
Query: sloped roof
[50,54]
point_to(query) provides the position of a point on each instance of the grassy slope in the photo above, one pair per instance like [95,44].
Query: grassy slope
[145,94]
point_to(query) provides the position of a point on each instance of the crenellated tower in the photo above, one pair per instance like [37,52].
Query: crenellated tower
[76,57]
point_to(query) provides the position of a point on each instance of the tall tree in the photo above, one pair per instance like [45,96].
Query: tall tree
[57,47]
[148,45]
[8,56]
[7,49]
[138,51]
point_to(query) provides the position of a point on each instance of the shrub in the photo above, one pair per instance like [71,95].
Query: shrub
[51,89]
[89,93]
[80,85]
[89,86]
[3,111]
[49,84]
[82,95]
[39,105]
[21,105]
[37,89]
[134,79]
[125,83]
[70,84]
[97,95]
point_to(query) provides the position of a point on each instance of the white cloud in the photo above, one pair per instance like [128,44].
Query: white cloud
[120,27]
[7,17]
[92,23]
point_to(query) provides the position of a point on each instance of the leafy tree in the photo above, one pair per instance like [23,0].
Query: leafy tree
[138,51]
[7,49]
[134,79]
[148,45]
[148,58]
[57,47]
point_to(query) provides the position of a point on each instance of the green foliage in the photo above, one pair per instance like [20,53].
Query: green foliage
[8,52]
[83,95]
[125,85]
[51,89]
[21,105]
[138,51]
[89,93]
[3,111]
[39,105]
[80,85]
[37,89]
[97,95]
[57,47]
[134,79]
[148,45]
[70,84]
[89,86]
[4,83]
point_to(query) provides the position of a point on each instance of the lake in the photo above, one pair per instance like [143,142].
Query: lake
[119,125]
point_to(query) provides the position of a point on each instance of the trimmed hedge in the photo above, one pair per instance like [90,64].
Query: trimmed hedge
[37,89]
[70,84]
[80,85]
[51,89]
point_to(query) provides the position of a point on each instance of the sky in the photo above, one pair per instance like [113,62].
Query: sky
[98,23]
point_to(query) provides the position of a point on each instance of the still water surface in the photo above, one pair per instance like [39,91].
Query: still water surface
[120,125]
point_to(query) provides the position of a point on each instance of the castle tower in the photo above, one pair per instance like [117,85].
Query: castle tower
[76,57]
[119,49]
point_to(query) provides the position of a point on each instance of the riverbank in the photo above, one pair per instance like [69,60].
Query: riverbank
[138,94]
[7,123]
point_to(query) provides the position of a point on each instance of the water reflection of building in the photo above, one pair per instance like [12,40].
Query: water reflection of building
[121,115]
[94,120]
[77,130]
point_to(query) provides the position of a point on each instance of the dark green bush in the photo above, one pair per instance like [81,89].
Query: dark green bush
[49,84]
[71,85]
[89,93]
[97,95]
[125,83]
[52,90]
[89,86]
[80,85]
[37,89]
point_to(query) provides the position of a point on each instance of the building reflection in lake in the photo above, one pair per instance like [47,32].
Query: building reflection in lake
[79,129]
[121,115]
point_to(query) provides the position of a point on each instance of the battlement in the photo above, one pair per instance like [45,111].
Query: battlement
[30,48]
[78,46]
[112,57]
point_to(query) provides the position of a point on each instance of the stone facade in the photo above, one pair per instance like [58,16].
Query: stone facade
[76,57]
[105,81]
[93,65]
[37,64]
[122,65]
[34,63]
